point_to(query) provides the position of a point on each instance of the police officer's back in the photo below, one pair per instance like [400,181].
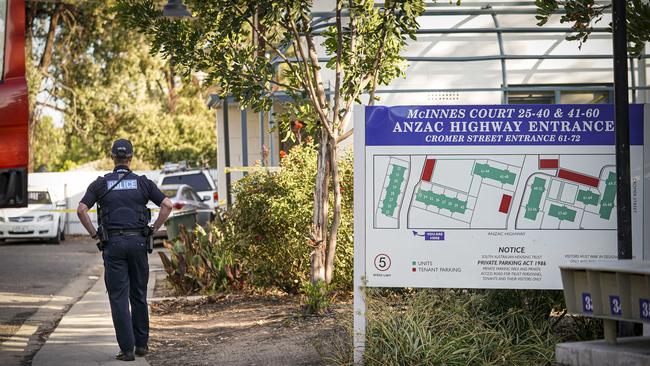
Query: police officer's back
[122,196]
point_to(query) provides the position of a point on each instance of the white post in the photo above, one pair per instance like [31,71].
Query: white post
[66,199]
[643,94]
[359,234]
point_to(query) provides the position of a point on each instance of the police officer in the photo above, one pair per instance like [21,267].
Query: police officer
[122,197]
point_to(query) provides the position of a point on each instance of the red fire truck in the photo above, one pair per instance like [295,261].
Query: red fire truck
[14,111]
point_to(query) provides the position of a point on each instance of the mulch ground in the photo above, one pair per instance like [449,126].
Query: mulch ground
[245,329]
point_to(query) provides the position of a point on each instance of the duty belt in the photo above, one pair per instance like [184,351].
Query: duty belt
[125,232]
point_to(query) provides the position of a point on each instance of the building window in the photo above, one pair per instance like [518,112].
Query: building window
[531,97]
[534,94]
[584,97]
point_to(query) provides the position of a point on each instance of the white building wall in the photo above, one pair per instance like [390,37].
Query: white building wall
[253,131]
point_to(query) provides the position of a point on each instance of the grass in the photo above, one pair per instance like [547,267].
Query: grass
[460,327]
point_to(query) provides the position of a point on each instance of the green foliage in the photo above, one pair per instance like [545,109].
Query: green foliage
[317,297]
[200,262]
[537,304]
[444,327]
[48,146]
[272,216]
[462,327]
[391,22]
[106,84]
[584,14]
[267,229]
[251,60]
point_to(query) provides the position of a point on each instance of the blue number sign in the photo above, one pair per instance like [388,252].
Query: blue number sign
[615,305]
[587,305]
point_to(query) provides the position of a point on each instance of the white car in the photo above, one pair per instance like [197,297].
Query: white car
[197,178]
[39,220]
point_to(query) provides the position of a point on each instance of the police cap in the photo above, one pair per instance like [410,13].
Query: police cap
[122,148]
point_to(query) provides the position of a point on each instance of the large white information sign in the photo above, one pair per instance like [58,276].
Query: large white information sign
[491,196]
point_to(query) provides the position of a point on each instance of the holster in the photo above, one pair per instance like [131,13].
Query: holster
[149,239]
[103,238]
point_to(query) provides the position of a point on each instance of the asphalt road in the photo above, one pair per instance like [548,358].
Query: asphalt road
[38,276]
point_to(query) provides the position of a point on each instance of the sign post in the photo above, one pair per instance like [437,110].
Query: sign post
[359,242]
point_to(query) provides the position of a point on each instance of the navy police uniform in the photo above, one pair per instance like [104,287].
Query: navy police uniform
[124,216]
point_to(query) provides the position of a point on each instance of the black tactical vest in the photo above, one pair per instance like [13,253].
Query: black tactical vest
[124,207]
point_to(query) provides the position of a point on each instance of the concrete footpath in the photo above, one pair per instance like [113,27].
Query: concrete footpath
[85,335]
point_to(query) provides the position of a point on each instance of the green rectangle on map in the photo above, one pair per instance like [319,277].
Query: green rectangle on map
[607,203]
[562,212]
[588,197]
[393,190]
[441,201]
[500,175]
[535,198]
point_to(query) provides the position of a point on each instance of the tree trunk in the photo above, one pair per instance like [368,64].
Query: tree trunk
[336,219]
[46,58]
[321,209]
[41,69]
[171,86]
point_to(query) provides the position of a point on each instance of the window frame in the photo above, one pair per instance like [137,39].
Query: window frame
[184,178]
[556,91]
[47,194]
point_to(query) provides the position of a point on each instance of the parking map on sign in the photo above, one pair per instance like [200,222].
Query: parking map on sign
[494,196]
[461,192]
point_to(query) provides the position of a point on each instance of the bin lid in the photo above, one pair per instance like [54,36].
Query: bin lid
[624,266]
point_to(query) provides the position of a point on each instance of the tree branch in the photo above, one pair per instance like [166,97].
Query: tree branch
[378,56]
[303,60]
[46,57]
[51,106]
[311,90]
[372,73]
[255,26]
[345,135]
[313,56]
[339,67]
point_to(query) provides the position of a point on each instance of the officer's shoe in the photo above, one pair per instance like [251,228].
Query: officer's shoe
[129,356]
[141,351]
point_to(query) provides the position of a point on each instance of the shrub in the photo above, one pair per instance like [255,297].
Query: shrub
[460,327]
[267,228]
[269,223]
[317,297]
[201,262]
[432,327]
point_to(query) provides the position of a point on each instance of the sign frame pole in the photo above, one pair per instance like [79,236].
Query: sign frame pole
[622,118]
[359,304]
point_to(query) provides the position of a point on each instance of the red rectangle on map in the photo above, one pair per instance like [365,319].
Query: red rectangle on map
[578,178]
[549,163]
[427,172]
[505,203]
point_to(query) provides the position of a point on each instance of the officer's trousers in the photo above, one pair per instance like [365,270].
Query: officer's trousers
[126,272]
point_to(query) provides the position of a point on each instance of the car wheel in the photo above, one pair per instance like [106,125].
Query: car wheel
[57,238]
